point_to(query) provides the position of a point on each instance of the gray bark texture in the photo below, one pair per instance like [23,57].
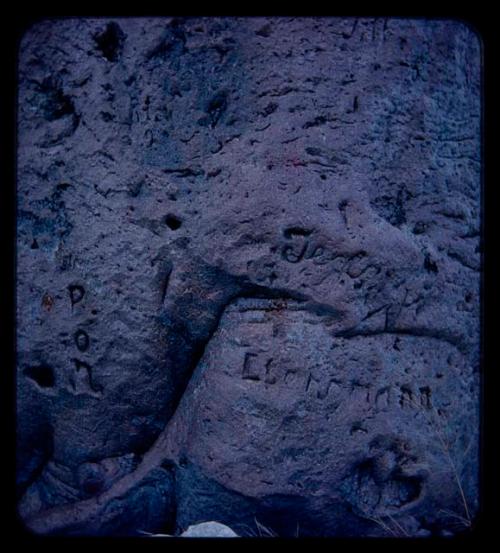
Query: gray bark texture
[248,276]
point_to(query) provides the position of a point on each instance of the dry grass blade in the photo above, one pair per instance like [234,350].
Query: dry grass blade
[398,525]
[250,532]
[264,531]
[149,534]
[438,430]
[451,514]
[383,525]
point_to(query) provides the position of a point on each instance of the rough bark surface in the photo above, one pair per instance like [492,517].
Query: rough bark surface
[248,275]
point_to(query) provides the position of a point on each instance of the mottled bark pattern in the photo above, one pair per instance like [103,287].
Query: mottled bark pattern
[248,275]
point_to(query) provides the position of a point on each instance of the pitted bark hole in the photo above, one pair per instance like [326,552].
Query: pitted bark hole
[110,42]
[173,222]
[42,375]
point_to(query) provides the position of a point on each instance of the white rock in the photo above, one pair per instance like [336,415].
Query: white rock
[209,530]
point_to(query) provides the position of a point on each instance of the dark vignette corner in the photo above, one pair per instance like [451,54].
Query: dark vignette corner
[489,479]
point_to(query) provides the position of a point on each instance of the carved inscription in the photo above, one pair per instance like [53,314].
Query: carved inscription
[318,382]
[404,397]
[82,340]
[81,380]
[250,370]
[80,377]
[258,367]
[301,245]
[47,302]
[76,293]
[261,367]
